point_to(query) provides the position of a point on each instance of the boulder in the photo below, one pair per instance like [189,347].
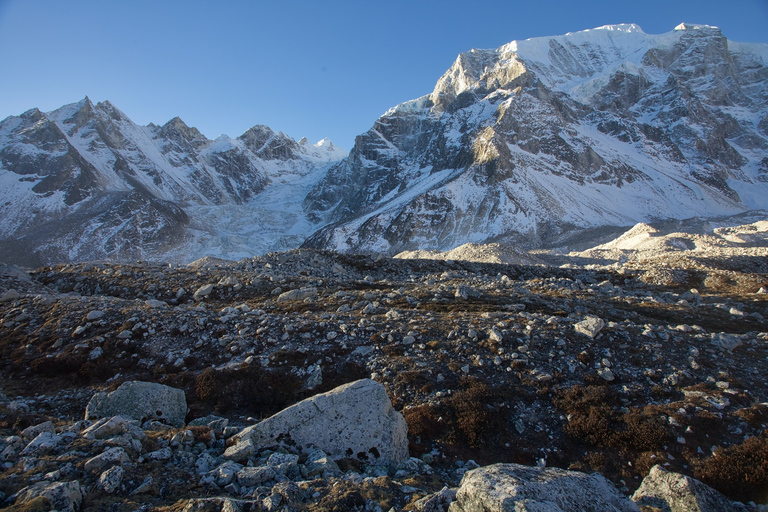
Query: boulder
[140,401]
[203,292]
[42,444]
[115,456]
[356,419]
[308,292]
[673,492]
[110,480]
[517,488]
[590,326]
[64,496]
[33,431]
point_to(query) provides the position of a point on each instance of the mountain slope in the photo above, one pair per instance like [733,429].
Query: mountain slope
[534,140]
[85,182]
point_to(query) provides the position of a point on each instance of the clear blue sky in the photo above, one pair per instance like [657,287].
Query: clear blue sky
[315,69]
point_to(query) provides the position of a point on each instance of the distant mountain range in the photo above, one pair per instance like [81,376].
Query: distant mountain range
[84,182]
[528,145]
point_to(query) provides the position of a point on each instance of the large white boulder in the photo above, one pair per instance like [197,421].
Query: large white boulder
[353,420]
[673,492]
[140,401]
[517,488]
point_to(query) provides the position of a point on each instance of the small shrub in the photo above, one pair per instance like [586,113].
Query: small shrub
[596,426]
[740,472]
[424,421]
[643,432]
[474,422]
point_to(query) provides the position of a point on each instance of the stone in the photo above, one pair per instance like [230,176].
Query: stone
[110,457]
[110,427]
[307,292]
[283,463]
[42,444]
[606,374]
[161,454]
[140,401]
[250,476]
[203,292]
[356,419]
[673,492]
[110,480]
[319,464]
[725,341]
[154,303]
[64,496]
[240,451]
[94,315]
[9,295]
[314,377]
[33,431]
[590,326]
[437,502]
[518,488]
[225,473]
[211,421]
[229,281]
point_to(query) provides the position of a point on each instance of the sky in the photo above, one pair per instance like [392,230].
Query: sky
[310,69]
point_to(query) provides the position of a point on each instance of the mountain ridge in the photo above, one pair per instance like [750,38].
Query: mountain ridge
[541,137]
[526,145]
[85,182]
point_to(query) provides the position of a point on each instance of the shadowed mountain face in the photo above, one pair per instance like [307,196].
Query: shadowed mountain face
[85,182]
[528,142]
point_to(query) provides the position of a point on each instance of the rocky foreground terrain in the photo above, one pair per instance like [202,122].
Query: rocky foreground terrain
[615,368]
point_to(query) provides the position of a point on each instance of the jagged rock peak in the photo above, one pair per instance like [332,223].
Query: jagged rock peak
[176,128]
[522,143]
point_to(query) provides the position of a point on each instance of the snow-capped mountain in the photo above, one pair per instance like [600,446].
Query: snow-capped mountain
[85,182]
[535,140]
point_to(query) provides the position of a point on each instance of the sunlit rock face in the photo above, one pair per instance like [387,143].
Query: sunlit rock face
[531,141]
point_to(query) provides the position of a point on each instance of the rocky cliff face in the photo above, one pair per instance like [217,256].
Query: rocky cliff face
[528,142]
[85,182]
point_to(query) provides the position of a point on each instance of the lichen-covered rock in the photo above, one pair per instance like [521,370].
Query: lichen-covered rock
[64,496]
[437,502]
[356,419]
[40,445]
[673,492]
[110,480]
[35,430]
[517,488]
[140,401]
[110,457]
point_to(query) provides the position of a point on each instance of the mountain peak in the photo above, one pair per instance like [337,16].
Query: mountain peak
[696,26]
